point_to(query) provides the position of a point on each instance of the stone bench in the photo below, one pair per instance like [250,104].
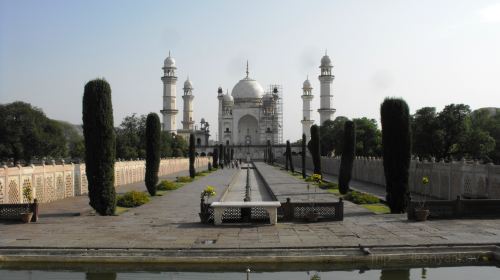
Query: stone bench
[270,206]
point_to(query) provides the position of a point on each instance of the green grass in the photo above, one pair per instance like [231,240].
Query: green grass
[361,198]
[202,173]
[334,191]
[132,199]
[377,208]
[328,185]
[184,179]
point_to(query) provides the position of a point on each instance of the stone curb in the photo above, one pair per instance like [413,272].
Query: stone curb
[370,256]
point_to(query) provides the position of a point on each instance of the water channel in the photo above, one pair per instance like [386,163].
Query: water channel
[455,273]
[237,190]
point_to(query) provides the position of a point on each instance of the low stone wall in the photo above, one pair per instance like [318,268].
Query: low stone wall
[446,180]
[51,182]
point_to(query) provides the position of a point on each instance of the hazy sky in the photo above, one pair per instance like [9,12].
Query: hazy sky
[431,53]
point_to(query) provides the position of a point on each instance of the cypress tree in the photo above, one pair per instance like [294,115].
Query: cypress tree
[215,158]
[348,152]
[313,147]
[396,146]
[290,156]
[303,156]
[192,171]
[265,155]
[221,154]
[153,132]
[100,145]
[287,154]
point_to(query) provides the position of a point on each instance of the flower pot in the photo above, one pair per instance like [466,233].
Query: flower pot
[421,215]
[312,216]
[26,217]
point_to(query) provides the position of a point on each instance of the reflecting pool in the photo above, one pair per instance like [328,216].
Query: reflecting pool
[455,273]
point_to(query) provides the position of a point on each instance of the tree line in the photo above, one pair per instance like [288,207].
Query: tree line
[26,134]
[456,132]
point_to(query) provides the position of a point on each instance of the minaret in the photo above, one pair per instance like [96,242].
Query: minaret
[326,109]
[187,120]
[169,95]
[307,97]
[220,96]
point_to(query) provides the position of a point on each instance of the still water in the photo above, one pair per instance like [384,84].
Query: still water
[455,273]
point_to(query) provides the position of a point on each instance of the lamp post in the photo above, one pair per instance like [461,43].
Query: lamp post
[247,186]
[248,273]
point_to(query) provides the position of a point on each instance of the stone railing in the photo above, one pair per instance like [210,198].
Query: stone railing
[51,182]
[447,180]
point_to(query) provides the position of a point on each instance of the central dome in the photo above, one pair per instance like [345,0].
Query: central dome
[247,89]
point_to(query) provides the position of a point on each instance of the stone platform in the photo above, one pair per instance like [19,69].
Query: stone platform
[171,222]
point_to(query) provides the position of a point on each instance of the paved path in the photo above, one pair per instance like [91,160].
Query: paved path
[374,189]
[79,205]
[286,186]
[171,221]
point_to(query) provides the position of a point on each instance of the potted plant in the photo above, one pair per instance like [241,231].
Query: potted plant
[313,215]
[208,192]
[421,212]
[315,276]
[27,214]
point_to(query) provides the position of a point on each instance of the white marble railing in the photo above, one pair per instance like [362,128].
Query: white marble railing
[447,179]
[51,182]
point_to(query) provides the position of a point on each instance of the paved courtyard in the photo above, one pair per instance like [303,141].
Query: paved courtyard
[171,221]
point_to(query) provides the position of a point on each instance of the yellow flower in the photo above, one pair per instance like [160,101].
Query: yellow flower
[316,177]
[209,191]
[425,180]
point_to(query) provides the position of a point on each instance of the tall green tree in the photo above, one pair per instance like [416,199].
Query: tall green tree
[131,138]
[288,154]
[99,135]
[303,155]
[487,121]
[396,141]
[368,137]
[166,142]
[192,171]
[348,153]
[215,158]
[332,133]
[427,133]
[179,146]
[153,145]
[25,133]
[314,146]
[221,154]
[454,122]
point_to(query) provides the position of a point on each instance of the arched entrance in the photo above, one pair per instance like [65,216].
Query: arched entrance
[248,127]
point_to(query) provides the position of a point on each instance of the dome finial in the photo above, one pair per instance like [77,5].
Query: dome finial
[326,51]
[247,68]
[168,53]
[307,77]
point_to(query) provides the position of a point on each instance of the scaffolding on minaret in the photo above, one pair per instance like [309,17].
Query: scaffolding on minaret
[277,91]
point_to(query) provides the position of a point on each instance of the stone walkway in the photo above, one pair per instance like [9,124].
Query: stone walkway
[79,205]
[171,221]
[286,186]
[374,189]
